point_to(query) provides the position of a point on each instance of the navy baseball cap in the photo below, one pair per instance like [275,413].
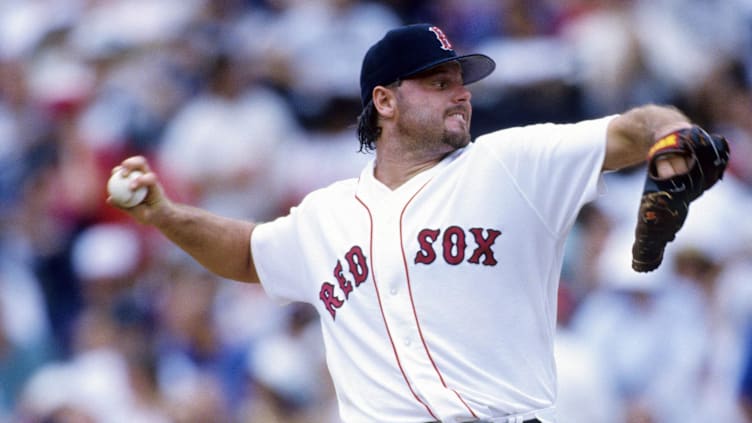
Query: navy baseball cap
[410,50]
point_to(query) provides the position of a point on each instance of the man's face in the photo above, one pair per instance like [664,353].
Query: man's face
[434,109]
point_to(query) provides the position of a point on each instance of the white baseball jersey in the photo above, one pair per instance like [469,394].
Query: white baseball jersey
[438,299]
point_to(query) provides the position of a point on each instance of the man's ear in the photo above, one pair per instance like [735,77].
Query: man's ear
[384,101]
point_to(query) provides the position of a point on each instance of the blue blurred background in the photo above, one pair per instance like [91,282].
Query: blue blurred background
[243,106]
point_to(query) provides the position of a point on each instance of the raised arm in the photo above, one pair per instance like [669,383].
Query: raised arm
[631,135]
[220,244]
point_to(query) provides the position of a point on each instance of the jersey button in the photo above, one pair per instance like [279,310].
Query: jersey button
[393,291]
[407,342]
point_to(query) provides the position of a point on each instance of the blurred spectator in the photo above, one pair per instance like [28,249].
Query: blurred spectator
[324,154]
[610,58]
[469,21]
[39,233]
[94,386]
[19,359]
[586,392]
[249,104]
[705,351]
[535,76]
[106,258]
[625,322]
[224,144]
[585,249]
[723,101]
[192,356]
[202,401]
[291,382]
[316,64]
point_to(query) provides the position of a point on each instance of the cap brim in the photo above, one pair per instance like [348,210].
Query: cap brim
[474,67]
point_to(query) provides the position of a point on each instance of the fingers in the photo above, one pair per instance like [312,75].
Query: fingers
[136,163]
[133,163]
[147,178]
[669,165]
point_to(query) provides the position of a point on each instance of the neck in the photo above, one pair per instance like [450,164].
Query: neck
[393,168]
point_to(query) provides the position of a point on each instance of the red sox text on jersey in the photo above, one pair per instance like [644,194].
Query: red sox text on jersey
[453,247]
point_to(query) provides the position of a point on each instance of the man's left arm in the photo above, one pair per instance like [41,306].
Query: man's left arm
[683,162]
[631,135]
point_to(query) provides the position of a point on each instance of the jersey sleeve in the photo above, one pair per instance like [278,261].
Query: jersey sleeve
[557,167]
[277,255]
[294,254]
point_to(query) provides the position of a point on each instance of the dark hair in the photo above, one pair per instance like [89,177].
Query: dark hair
[368,124]
[368,128]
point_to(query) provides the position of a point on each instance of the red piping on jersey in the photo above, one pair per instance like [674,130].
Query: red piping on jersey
[383,316]
[412,303]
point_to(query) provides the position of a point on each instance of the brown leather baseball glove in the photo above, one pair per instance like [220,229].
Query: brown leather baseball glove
[665,202]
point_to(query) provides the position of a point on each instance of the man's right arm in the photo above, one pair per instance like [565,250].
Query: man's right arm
[220,244]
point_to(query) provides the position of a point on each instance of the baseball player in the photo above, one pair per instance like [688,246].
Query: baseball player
[435,270]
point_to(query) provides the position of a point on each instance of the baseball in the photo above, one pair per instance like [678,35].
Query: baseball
[119,189]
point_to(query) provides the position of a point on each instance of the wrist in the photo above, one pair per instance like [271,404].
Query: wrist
[667,129]
[162,214]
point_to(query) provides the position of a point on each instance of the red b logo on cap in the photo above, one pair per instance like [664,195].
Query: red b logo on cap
[445,44]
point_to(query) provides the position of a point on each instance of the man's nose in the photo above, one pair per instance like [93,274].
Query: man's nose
[463,94]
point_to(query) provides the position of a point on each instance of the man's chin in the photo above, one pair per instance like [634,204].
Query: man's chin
[457,139]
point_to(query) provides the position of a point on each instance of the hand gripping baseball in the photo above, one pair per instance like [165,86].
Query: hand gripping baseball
[665,202]
[139,193]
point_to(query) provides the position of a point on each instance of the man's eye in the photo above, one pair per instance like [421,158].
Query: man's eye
[440,84]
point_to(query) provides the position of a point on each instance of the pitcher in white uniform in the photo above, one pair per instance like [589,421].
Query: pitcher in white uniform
[434,271]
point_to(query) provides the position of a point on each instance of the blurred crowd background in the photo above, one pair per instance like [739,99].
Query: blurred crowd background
[243,106]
